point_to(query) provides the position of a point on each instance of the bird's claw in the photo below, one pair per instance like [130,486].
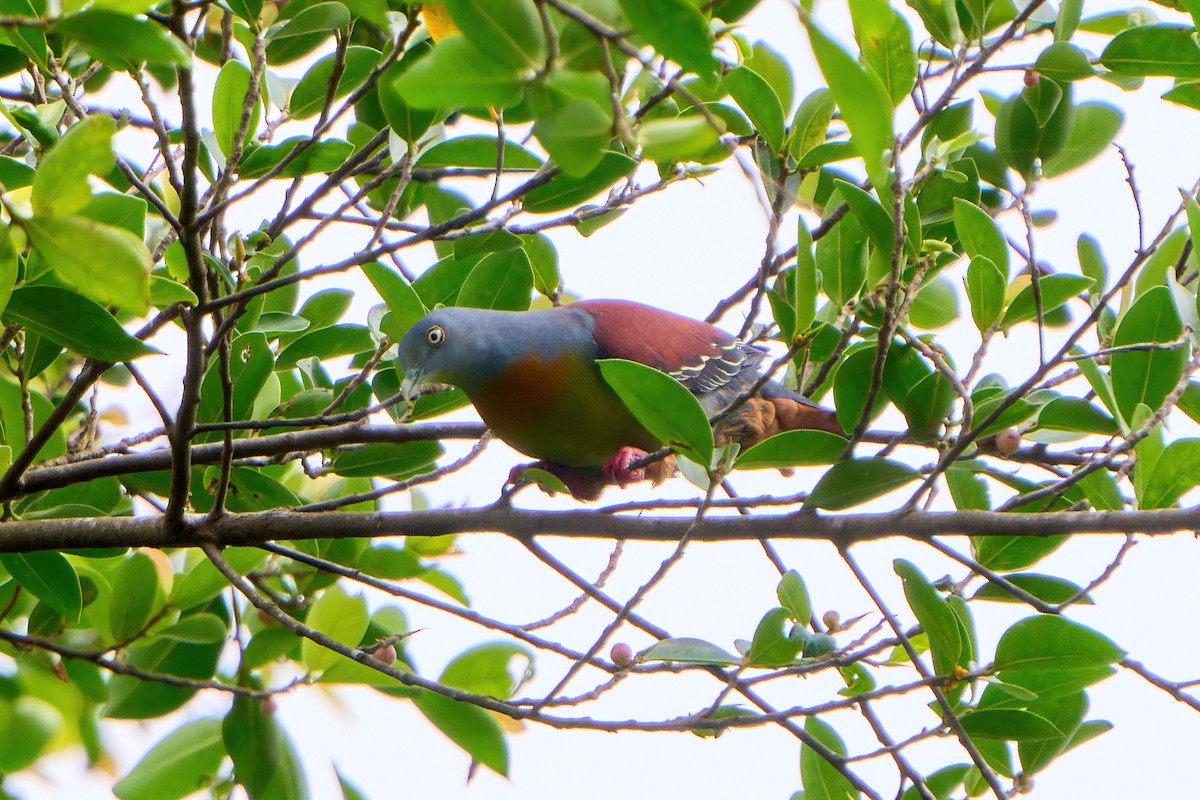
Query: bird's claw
[618,469]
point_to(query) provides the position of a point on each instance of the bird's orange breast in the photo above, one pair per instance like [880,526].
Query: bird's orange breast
[559,410]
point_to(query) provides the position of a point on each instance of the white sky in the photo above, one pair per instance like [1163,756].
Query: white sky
[684,250]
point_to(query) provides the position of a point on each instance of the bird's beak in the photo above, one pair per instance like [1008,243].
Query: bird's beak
[413,380]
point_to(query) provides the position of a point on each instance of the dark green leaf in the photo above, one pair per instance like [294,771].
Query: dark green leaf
[936,617]
[1147,376]
[1074,414]
[850,483]
[1154,50]
[137,595]
[980,235]
[822,780]
[1010,724]
[49,577]
[180,763]
[1007,553]
[760,102]
[1177,471]
[679,139]
[810,123]
[564,191]
[1047,588]
[502,281]
[803,448]
[304,32]
[1095,127]
[985,291]
[1055,644]
[310,94]
[663,406]
[74,322]
[386,459]
[470,727]
[337,340]
[874,218]
[1063,61]
[321,157]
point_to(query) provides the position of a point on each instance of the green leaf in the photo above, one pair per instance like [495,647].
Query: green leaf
[1095,127]
[124,42]
[179,764]
[265,762]
[502,281]
[1007,553]
[985,291]
[822,780]
[886,43]
[138,594]
[337,340]
[862,99]
[793,596]
[1154,50]
[401,299]
[486,669]
[760,102]
[936,304]
[457,73]
[1147,376]
[810,123]
[771,647]
[1009,724]
[341,617]
[477,151]
[201,628]
[229,102]
[470,727]
[49,577]
[980,235]
[121,279]
[1047,588]
[663,406]
[936,617]
[679,139]
[841,258]
[874,218]
[1055,290]
[304,32]
[1177,471]
[395,461]
[74,322]
[30,725]
[801,448]
[688,651]
[1055,644]
[61,183]
[1063,61]
[509,31]
[310,94]
[566,191]
[674,28]
[1074,414]
[1034,124]
[576,127]
[321,157]
[850,483]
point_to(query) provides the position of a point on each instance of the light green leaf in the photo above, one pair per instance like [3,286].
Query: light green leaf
[675,28]
[61,183]
[123,41]
[470,727]
[985,291]
[822,780]
[802,448]
[689,651]
[1095,127]
[1154,50]
[509,31]
[1147,376]
[980,235]
[679,139]
[121,278]
[49,577]
[457,73]
[1053,643]
[310,94]
[339,616]
[760,102]
[229,101]
[501,281]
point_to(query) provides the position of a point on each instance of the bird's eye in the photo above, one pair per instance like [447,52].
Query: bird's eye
[435,336]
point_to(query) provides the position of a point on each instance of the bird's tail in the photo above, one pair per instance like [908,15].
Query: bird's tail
[774,410]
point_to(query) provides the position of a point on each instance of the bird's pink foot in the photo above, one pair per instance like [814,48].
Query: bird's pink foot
[618,470]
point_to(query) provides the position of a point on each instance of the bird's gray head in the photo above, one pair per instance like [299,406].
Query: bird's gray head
[450,345]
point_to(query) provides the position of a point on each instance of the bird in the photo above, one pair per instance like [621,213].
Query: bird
[533,378]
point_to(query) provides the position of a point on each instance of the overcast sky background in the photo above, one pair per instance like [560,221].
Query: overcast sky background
[685,249]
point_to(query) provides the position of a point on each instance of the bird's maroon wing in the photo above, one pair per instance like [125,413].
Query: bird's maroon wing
[700,356]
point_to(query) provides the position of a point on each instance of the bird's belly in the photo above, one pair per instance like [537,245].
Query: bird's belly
[561,413]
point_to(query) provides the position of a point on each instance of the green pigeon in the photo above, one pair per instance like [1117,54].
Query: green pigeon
[533,378]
